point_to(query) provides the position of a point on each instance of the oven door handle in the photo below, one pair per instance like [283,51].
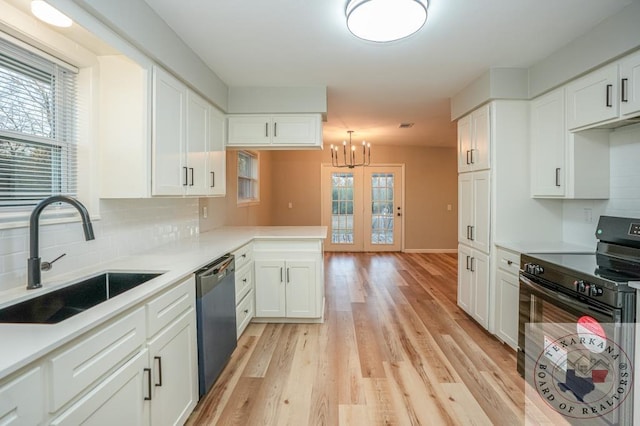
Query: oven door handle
[555,295]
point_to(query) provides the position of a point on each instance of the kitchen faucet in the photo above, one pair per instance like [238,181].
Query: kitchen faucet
[33,263]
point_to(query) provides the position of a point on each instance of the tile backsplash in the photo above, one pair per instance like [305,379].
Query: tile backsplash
[624,199]
[126,227]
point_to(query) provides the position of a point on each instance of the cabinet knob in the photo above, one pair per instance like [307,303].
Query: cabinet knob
[509,262]
[246,311]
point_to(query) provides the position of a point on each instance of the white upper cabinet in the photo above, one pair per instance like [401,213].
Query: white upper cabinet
[548,145]
[630,85]
[606,95]
[188,158]
[292,131]
[169,114]
[474,135]
[593,98]
[566,164]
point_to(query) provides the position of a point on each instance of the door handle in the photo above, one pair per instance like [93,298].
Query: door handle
[623,95]
[558,176]
[159,359]
[609,88]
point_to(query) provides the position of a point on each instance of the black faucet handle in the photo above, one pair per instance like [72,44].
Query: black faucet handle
[46,266]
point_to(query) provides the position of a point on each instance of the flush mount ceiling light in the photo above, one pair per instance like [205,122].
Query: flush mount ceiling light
[49,14]
[385,20]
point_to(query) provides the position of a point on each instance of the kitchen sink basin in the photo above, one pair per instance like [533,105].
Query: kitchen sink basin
[66,302]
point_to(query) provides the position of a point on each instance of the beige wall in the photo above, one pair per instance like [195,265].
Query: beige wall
[225,210]
[294,177]
[431,184]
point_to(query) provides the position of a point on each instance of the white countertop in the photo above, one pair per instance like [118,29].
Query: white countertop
[544,247]
[24,343]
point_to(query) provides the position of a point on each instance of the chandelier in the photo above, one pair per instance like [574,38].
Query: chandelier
[350,162]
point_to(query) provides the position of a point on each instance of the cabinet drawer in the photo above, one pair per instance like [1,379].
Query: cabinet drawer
[243,256]
[169,305]
[88,359]
[245,311]
[244,282]
[508,261]
[22,399]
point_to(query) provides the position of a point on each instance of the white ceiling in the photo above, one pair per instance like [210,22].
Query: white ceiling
[372,87]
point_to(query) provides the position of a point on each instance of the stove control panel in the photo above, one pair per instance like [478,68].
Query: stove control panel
[533,269]
[587,288]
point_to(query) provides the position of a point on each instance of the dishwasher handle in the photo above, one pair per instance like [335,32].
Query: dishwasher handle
[211,275]
[216,268]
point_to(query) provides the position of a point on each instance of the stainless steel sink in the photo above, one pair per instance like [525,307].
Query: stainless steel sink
[66,302]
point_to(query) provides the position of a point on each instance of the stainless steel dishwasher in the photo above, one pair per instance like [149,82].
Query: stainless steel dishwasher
[216,319]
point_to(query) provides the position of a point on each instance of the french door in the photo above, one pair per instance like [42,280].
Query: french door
[362,208]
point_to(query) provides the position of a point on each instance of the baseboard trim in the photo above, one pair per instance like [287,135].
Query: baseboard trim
[430,250]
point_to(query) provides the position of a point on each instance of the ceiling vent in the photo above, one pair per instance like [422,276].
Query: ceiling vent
[406,125]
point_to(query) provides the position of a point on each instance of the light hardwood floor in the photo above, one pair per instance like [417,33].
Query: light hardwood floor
[394,349]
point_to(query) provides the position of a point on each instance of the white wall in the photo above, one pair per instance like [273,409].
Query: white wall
[624,197]
[126,227]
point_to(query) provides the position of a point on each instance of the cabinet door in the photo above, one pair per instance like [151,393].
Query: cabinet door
[22,399]
[169,109]
[270,288]
[630,85]
[481,138]
[481,211]
[301,289]
[296,130]
[507,297]
[464,144]
[249,130]
[593,98]
[480,288]
[217,159]
[464,278]
[197,146]
[548,144]
[465,207]
[173,360]
[118,400]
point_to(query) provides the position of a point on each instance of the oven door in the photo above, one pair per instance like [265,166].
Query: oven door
[550,319]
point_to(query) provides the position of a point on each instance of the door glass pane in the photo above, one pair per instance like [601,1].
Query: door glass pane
[342,208]
[382,208]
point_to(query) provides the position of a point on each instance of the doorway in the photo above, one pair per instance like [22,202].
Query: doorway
[362,208]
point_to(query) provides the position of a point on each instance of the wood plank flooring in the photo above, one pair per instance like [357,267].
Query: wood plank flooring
[394,349]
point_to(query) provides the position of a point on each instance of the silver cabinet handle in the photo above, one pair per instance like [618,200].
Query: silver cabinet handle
[281,268]
[266,130]
[288,280]
[609,88]
[186,176]
[213,179]
[472,228]
[558,176]
[468,257]
[471,152]
[191,168]
[468,161]
[275,130]
[472,268]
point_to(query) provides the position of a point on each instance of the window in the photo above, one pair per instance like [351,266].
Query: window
[248,188]
[37,127]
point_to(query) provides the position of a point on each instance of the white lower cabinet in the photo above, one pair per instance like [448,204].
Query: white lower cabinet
[289,279]
[117,400]
[140,368]
[174,365]
[22,399]
[244,283]
[473,283]
[507,296]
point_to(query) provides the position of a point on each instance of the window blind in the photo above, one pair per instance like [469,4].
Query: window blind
[38,127]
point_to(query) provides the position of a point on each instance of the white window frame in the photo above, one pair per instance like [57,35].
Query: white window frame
[254,199]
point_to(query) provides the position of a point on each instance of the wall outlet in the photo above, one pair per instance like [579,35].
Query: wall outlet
[290,205]
[204,212]
[448,207]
